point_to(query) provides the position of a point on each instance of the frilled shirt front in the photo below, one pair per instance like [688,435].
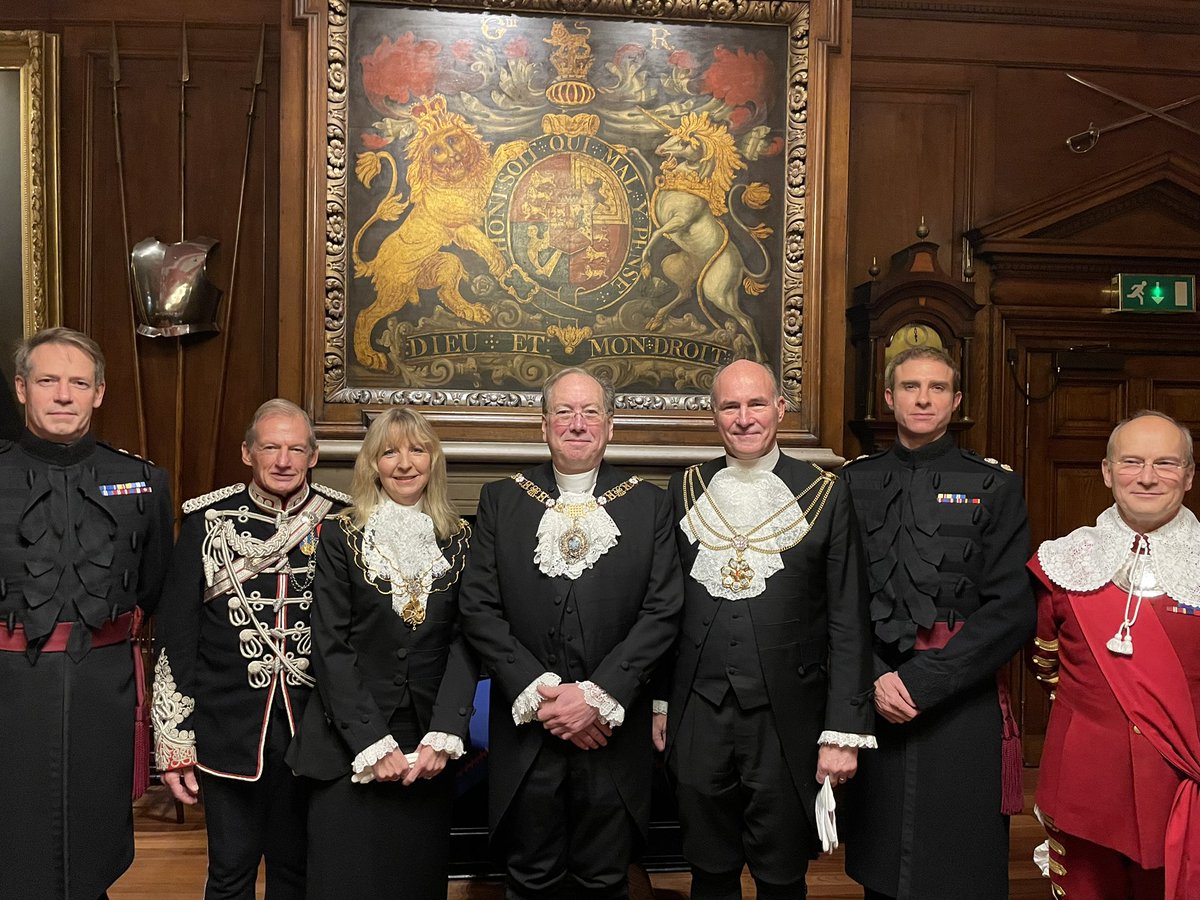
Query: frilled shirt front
[926,514]
[744,504]
[67,534]
[400,549]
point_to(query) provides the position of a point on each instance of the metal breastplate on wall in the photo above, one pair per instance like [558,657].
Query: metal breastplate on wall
[174,295]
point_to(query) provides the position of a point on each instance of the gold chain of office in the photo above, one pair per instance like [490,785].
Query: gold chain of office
[737,573]
[574,542]
[414,585]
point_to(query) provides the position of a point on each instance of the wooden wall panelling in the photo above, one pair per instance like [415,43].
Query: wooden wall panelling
[827,289]
[222,69]
[297,55]
[1012,56]
[223,39]
[918,143]
[1037,107]
[1073,410]
[910,156]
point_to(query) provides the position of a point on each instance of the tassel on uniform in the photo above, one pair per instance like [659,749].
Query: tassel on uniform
[141,751]
[141,720]
[1012,791]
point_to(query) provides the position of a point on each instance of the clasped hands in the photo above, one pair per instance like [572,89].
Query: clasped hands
[396,767]
[892,700]
[566,714]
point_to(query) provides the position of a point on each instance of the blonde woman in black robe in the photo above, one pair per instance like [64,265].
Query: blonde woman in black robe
[395,681]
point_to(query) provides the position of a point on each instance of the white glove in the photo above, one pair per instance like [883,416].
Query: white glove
[367,775]
[1041,858]
[827,817]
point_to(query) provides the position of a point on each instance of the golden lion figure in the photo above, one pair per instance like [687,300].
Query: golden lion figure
[692,194]
[450,174]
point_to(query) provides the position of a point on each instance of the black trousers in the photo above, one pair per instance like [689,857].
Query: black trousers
[249,820]
[737,802]
[567,833]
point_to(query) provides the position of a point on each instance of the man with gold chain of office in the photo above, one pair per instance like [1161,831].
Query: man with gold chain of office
[232,676]
[770,694]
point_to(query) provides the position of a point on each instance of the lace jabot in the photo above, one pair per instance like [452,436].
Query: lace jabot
[576,529]
[1089,557]
[744,497]
[567,544]
[399,546]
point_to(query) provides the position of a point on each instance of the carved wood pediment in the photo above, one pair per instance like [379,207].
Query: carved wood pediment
[1146,213]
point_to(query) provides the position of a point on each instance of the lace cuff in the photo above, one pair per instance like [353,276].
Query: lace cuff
[658,707]
[362,763]
[525,707]
[611,712]
[450,744]
[844,739]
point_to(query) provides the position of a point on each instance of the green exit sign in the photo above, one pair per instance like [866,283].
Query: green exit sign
[1155,293]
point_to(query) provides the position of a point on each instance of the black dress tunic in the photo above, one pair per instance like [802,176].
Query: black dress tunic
[85,533]
[946,536]
[377,675]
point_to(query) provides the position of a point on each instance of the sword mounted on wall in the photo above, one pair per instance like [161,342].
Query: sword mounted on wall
[1088,138]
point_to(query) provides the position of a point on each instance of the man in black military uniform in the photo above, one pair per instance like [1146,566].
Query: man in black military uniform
[232,675]
[770,692]
[571,596]
[85,534]
[946,536]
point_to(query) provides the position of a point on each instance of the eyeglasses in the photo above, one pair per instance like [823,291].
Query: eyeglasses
[565,416]
[1167,469]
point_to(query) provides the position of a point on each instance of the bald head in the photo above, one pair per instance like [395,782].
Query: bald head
[747,408]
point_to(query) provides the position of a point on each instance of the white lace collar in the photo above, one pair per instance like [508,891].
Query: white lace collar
[744,496]
[399,546]
[1089,557]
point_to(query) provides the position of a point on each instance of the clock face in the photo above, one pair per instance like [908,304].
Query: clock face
[911,334]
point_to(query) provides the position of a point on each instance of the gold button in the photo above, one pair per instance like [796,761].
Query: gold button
[1136,730]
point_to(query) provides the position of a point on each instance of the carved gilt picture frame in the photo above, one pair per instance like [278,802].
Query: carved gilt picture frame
[509,188]
[29,168]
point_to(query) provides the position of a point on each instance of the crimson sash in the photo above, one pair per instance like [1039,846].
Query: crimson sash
[1153,693]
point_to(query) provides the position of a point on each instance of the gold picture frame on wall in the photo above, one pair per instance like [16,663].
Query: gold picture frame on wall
[29,193]
[583,117]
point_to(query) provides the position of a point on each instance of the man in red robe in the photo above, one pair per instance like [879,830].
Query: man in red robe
[1118,646]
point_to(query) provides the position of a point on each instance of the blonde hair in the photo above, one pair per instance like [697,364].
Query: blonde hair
[392,428]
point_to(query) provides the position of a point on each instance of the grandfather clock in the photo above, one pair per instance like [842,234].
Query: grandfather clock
[915,303]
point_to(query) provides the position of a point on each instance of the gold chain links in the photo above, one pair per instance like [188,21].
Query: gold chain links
[737,573]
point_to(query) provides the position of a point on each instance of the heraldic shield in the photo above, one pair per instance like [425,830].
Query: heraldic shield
[174,295]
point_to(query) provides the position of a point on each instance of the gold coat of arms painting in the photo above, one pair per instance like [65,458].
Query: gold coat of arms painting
[513,191]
